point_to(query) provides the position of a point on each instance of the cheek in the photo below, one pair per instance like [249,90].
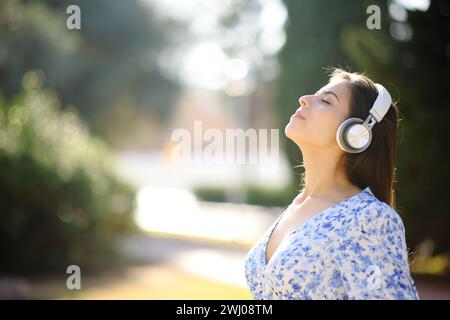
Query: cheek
[325,123]
[321,128]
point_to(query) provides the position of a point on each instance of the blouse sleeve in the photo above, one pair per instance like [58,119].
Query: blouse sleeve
[371,255]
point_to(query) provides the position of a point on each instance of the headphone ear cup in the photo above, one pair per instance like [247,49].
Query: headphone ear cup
[340,134]
[352,136]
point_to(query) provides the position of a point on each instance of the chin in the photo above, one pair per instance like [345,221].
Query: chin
[291,129]
[290,133]
[288,130]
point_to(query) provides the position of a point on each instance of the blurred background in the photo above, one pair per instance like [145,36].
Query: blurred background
[87,173]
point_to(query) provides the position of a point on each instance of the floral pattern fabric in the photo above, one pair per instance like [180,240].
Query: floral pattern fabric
[355,249]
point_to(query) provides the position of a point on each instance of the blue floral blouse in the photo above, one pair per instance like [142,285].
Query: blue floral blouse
[355,249]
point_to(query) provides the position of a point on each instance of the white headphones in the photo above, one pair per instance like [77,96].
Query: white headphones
[354,135]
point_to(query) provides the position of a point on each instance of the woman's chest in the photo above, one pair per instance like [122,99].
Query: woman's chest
[292,221]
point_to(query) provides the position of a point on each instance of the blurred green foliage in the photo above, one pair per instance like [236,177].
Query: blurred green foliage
[255,195]
[113,57]
[212,194]
[61,201]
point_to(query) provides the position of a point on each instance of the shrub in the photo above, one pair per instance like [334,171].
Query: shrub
[255,195]
[61,201]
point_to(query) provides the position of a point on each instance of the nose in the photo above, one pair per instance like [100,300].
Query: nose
[304,101]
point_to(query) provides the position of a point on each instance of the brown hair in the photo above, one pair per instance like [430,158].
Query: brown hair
[374,167]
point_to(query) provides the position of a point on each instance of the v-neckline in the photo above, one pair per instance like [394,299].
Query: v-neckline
[310,219]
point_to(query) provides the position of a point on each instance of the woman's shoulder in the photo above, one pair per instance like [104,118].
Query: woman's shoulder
[365,210]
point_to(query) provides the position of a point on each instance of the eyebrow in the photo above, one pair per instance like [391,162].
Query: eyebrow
[332,93]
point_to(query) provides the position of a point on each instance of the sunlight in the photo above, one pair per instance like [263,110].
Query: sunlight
[203,66]
[421,5]
[165,209]
[214,265]
[236,69]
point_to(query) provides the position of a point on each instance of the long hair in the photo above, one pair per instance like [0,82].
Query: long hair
[374,167]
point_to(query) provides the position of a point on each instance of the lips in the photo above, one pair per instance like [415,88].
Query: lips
[297,114]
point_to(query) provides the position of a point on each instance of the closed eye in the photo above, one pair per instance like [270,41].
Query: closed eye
[327,93]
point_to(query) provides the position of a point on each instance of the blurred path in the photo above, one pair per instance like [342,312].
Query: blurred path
[159,268]
[211,261]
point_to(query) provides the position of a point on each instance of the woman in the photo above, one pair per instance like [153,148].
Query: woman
[340,238]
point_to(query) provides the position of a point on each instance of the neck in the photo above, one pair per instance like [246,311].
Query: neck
[323,178]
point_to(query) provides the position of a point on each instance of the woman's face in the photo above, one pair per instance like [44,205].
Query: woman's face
[316,121]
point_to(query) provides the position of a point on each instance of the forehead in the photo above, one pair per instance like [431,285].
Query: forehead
[341,88]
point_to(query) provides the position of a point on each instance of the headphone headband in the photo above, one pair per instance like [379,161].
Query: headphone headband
[382,103]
